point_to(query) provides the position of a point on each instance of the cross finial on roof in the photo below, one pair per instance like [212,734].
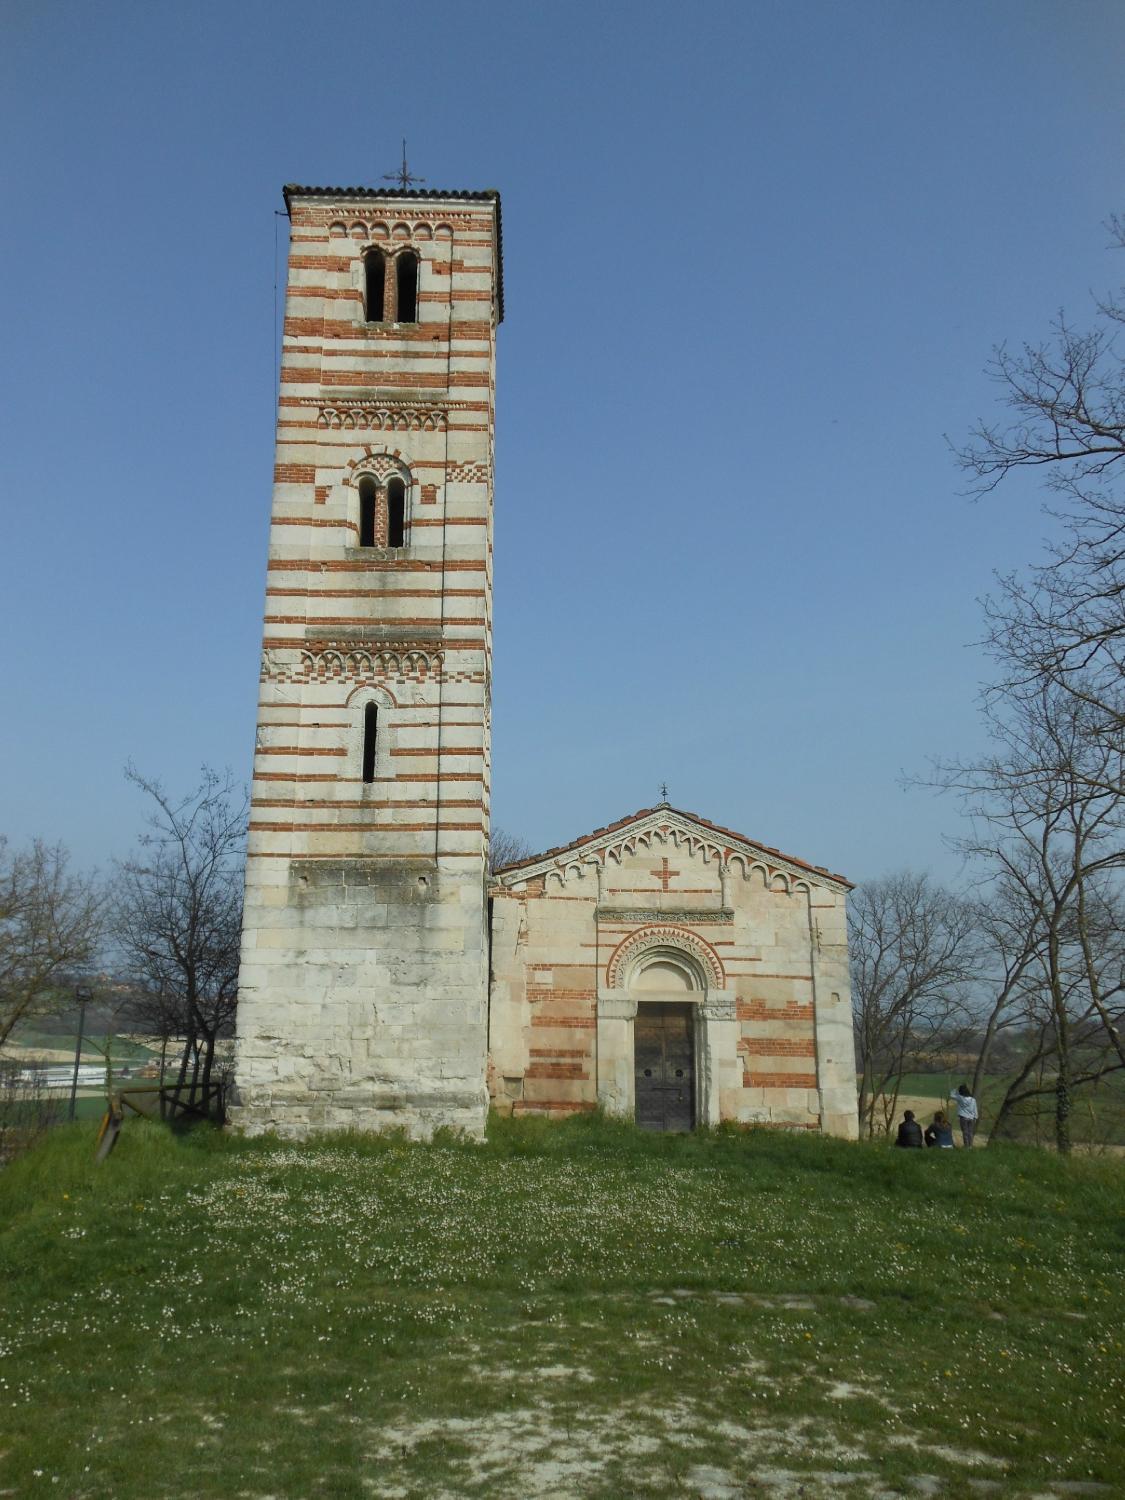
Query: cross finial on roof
[664,791]
[403,176]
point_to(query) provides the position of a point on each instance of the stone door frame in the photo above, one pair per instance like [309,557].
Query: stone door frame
[716,1044]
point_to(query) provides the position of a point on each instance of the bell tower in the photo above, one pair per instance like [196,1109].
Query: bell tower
[363,985]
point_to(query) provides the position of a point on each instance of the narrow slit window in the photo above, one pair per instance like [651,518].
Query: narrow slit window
[367,498]
[370,734]
[396,513]
[406,272]
[374,285]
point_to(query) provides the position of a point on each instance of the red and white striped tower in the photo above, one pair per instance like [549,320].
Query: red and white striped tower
[362,997]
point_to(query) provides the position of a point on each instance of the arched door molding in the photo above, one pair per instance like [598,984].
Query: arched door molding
[662,964]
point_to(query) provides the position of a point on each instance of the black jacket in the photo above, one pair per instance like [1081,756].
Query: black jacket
[909,1134]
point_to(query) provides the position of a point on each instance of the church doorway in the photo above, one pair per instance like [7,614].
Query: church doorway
[664,1064]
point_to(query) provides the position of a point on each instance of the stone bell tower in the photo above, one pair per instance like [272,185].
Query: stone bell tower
[363,987]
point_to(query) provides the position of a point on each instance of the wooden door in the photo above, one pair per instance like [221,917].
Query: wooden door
[664,1052]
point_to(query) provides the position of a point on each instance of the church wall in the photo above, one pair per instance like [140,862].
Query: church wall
[775,1021]
[543,1017]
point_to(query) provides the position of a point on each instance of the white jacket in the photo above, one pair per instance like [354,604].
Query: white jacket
[966,1106]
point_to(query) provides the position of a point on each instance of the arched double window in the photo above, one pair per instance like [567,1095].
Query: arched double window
[390,298]
[382,511]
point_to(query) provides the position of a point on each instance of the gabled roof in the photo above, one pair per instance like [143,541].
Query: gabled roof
[291,190]
[663,814]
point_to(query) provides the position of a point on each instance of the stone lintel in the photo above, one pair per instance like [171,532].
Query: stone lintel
[645,914]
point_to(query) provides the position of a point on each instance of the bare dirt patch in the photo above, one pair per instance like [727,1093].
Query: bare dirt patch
[546,1453]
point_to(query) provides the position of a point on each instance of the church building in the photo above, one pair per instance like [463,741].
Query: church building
[664,968]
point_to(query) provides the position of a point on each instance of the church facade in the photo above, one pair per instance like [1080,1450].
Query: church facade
[665,969]
[676,973]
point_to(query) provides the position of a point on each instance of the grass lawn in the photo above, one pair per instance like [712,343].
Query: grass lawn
[569,1310]
[31,1040]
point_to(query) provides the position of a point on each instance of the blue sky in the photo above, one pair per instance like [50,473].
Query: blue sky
[756,258]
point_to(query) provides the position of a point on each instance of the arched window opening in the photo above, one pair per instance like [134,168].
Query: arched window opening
[406,275]
[370,731]
[374,285]
[367,499]
[396,513]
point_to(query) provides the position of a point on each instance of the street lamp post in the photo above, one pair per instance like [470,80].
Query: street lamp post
[83,995]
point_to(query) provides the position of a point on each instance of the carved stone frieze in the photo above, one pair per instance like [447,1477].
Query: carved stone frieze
[382,662]
[371,418]
[719,1008]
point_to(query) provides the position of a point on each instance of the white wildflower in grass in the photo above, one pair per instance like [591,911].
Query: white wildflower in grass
[572,1309]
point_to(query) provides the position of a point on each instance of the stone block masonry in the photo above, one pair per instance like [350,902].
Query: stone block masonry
[385,981]
[363,987]
[667,911]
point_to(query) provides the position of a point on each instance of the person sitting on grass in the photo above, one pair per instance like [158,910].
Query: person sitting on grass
[909,1132]
[967,1113]
[940,1132]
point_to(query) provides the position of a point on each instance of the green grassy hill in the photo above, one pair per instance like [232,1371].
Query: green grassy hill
[569,1310]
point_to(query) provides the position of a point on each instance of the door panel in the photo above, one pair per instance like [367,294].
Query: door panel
[665,1067]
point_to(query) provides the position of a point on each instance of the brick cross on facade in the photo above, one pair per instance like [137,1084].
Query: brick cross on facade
[664,874]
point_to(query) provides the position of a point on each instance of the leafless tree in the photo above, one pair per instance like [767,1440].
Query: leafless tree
[1009,950]
[157,1013]
[1048,830]
[914,950]
[50,926]
[27,1109]
[1064,621]
[505,849]
[178,911]
[1048,804]
[1068,995]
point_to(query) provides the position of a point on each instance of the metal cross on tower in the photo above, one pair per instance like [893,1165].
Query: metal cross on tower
[663,791]
[404,177]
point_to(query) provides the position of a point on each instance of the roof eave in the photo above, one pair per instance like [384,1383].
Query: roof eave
[816,872]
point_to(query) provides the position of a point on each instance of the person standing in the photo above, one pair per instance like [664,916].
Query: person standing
[967,1113]
[909,1132]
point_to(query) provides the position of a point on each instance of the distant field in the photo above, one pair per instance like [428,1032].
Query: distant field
[1097,1117]
[572,1310]
[31,1039]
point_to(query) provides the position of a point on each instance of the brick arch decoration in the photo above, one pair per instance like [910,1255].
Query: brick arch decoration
[382,463]
[663,935]
[378,230]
